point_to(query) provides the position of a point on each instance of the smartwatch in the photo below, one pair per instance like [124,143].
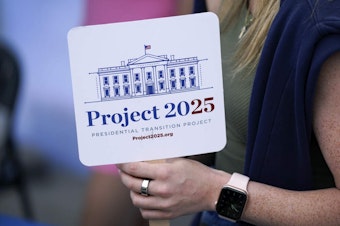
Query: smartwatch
[233,198]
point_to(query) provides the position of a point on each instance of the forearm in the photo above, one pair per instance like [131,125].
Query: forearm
[268,205]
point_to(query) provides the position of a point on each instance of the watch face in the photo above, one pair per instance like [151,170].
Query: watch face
[231,202]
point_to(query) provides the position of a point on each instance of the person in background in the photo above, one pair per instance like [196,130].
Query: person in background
[107,201]
[281,166]
[11,169]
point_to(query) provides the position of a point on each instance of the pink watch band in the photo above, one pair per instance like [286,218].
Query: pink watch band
[238,181]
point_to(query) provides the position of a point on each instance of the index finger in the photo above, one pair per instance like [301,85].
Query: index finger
[140,169]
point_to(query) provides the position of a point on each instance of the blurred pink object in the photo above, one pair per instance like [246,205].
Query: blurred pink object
[107,169]
[110,11]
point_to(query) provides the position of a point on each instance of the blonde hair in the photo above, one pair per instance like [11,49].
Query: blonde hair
[250,45]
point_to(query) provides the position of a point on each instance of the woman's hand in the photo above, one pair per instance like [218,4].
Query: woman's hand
[177,187]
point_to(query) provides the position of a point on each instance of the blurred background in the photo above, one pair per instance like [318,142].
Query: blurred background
[43,122]
[36,31]
[42,128]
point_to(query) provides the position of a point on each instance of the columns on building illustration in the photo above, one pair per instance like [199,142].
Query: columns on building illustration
[148,75]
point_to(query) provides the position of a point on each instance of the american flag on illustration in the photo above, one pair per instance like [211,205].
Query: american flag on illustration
[147,47]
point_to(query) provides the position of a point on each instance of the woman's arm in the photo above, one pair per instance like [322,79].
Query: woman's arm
[272,206]
[327,115]
[183,186]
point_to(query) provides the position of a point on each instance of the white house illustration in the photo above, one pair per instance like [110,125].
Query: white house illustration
[149,75]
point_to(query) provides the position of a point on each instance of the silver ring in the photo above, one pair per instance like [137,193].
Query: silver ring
[145,187]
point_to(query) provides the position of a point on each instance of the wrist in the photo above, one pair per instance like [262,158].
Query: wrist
[233,198]
[220,179]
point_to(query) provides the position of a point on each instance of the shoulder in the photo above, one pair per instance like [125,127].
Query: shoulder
[311,11]
[306,29]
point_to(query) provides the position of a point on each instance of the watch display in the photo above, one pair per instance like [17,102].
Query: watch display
[231,203]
